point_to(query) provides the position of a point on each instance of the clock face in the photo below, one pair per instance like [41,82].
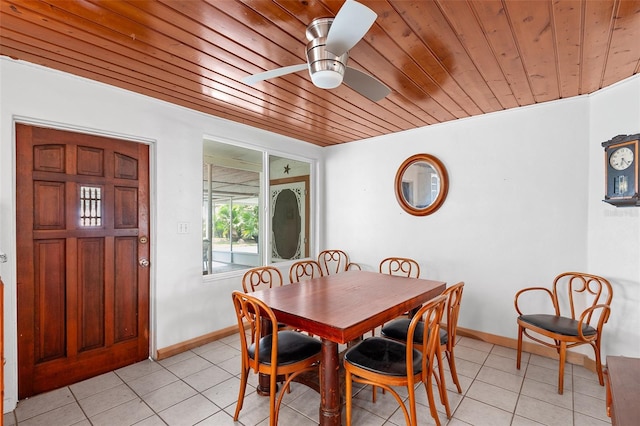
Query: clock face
[621,158]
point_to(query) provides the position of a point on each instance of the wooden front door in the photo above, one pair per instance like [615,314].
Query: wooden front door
[83,247]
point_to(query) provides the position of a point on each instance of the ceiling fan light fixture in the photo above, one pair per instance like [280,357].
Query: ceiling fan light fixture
[326,79]
[325,68]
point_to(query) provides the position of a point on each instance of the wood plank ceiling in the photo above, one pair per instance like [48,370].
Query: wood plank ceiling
[443,59]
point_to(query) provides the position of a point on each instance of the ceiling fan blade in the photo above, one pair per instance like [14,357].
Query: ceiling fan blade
[365,84]
[349,26]
[253,79]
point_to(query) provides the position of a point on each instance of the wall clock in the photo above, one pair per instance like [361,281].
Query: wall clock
[621,170]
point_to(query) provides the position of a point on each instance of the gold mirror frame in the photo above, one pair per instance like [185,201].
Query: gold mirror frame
[440,171]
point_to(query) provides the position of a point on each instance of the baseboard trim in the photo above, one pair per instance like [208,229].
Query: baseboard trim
[178,348]
[534,348]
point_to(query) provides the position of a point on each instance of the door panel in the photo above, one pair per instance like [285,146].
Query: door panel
[83,297]
[49,296]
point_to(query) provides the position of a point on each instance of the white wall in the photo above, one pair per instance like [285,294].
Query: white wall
[524,204]
[614,233]
[183,305]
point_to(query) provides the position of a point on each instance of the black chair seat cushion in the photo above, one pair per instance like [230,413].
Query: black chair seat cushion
[292,347]
[398,330]
[560,325]
[385,356]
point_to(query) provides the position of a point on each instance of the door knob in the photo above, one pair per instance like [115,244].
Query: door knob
[143,262]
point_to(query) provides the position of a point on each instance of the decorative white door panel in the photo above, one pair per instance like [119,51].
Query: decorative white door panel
[288,220]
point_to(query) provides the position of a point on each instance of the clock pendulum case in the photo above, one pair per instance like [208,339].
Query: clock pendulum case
[621,170]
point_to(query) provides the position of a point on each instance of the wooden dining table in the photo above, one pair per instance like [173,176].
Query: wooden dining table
[339,309]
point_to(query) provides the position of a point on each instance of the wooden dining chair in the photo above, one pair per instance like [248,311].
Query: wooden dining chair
[333,261]
[260,278]
[401,266]
[581,304]
[387,363]
[304,270]
[285,353]
[398,329]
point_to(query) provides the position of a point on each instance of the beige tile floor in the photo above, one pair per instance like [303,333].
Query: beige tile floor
[200,387]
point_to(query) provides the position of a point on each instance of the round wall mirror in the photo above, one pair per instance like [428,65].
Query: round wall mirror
[421,184]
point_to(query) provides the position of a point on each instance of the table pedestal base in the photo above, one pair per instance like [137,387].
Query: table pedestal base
[330,408]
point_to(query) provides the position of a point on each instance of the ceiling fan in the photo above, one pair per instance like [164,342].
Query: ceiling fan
[330,40]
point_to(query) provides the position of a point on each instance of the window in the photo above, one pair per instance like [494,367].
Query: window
[238,230]
[90,206]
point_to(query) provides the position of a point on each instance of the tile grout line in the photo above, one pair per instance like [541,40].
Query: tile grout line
[140,396]
[524,375]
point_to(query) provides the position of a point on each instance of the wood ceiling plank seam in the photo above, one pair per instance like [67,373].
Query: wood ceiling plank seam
[473,38]
[461,67]
[420,83]
[392,102]
[556,48]
[168,80]
[624,47]
[286,85]
[499,34]
[186,25]
[221,49]
[473,69]
[355,107]
[306,11]
[519,49]
[291,22]
[531,22]
[352,119]
[596,39]
[568,25]
[417,117]
[616,8]
[310,104]
[399,106]
[428,64]
[583,20]
[436,30]
[406,82]
[106,45]
[218,22]
[73,63]
[382,115]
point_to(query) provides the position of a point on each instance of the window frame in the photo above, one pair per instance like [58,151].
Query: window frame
[264,240]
